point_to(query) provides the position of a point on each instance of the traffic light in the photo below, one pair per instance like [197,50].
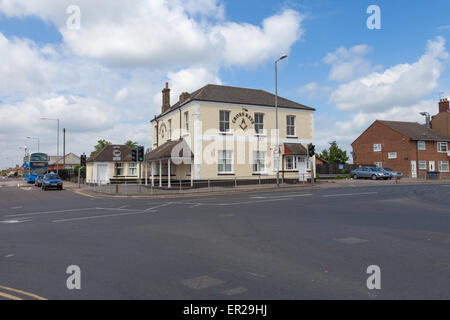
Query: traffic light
[311,150]
[134,153]
[83,160]
[140,154]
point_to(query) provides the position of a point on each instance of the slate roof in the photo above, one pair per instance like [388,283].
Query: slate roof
[106,154]
[165,150]
[415,131]
[236,95]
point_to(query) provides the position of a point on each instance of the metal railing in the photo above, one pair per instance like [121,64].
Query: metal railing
[196,186]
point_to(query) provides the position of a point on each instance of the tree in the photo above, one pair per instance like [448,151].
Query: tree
[334,154]
[100,145]
[131,144]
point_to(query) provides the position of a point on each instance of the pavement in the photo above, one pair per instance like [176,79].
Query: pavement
[306,243]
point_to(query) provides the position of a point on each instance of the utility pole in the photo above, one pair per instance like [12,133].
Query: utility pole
[64,149]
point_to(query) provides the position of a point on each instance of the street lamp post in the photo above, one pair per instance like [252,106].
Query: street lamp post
[35,138]
[277,158]
[57,143]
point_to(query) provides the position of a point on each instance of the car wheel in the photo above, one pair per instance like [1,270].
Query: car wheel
[355,177]
[374,177]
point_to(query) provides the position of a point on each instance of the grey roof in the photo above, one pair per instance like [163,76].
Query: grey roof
[166,151]
[414,130]
[236,95]
[106,154]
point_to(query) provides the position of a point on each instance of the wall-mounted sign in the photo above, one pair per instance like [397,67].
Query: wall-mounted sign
[244,120]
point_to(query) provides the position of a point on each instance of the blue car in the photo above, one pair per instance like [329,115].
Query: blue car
[52,181]
[369,173]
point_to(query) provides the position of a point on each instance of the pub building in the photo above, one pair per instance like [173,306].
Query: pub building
[229,133]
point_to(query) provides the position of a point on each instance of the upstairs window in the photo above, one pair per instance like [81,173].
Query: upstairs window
[224,121]
[377,147]
[170,129]
[259,123]
[290,126]
[421,145]
[442,147]
[186,121]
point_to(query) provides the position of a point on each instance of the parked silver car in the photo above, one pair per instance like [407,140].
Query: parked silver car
[370,173]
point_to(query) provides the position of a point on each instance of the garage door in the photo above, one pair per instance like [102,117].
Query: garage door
[102,173]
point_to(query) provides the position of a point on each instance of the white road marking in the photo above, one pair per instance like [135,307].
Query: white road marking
[250,202]
[348,194]
[13,221]
[285,196]
[9,256]
[160,206]
[49,212]
[16,208]
[102,216]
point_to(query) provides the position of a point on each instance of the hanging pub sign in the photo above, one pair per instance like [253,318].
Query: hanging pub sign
[244,120]
[117,155]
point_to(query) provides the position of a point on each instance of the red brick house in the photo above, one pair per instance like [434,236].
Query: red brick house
[408,147]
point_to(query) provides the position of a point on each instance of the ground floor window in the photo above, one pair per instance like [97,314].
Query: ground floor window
[225,161]
[188,170]
[290,163]
[422,165]
[443,166]
[132,169]
[118,169]
[378,164]
[259,162]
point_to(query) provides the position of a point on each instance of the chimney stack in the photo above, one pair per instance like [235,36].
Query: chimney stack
[444,105]
[165,98]
[184,96]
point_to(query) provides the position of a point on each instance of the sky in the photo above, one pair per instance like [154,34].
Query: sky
[101,71]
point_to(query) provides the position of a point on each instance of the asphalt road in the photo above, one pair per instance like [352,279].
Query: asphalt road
[293,244]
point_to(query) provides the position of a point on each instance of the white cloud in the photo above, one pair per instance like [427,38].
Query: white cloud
[400,85]
[157,33]
[348,64]
[246,44]
[314,90]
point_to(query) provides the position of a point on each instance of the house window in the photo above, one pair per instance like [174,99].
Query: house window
[443,166]
[442,147]
[422,165]
[392,155]
[225,161]
[289,163]
[118,169]
[188,169]
[186,121]
[132,170]
[259,123]
[377,147]
[378,164]
[224,121]
[421,145]
[170,129]
[290,129]
[259,162]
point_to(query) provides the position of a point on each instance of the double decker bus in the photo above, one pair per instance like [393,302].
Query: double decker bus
[34,165]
